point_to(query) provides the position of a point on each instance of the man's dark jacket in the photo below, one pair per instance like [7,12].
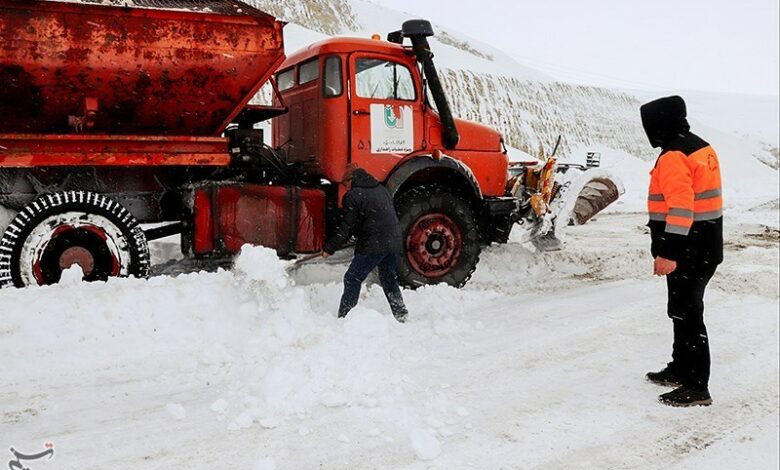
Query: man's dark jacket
[665,122]
[370,216]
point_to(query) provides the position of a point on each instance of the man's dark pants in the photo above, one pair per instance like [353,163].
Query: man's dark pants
[358,271]
[691,349]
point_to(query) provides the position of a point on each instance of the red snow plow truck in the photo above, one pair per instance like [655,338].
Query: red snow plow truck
[115,116]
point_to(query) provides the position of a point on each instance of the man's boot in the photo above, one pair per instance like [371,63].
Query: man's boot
[397,306]
[686,396]
[401,315]
[664,377]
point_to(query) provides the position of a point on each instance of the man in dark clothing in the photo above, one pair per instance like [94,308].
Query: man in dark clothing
[370,216]
[686,226]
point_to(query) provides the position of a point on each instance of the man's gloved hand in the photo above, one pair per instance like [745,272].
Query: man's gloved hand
[663,266]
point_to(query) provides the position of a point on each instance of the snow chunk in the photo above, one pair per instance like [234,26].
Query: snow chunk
[261,264]
[176,411]
[219,406]
[72,276]
[269,423]
[333,399]
[243,421]
[425,444]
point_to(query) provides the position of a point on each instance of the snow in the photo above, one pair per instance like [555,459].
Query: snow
[425,444]
[6,216]
[176,411]
[539,361]
[72,276]
[266,463]
[219,406]
[517,155]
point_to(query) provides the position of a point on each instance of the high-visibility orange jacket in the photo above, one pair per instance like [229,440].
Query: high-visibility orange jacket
[685,203]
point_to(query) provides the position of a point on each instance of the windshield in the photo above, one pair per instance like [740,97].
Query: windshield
[382,79]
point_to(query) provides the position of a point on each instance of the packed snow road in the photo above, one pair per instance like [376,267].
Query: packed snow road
[537,363]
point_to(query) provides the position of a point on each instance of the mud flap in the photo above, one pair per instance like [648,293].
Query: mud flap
[577,201]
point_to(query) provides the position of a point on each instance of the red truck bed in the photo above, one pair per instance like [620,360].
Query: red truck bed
[151,71]
[91,84]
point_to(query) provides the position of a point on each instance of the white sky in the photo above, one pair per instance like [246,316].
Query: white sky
[709,45]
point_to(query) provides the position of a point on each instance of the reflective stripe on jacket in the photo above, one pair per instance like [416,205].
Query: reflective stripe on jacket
[685,189]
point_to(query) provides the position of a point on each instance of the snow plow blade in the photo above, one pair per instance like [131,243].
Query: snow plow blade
[595,196]
[578,200]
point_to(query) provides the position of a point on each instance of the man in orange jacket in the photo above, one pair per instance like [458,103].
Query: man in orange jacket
[686,225]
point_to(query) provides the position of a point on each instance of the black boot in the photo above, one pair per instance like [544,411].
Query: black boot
[397,305]
[401,315]
[664,377]
[686,396]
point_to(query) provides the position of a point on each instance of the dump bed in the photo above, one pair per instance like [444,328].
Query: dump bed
[177,67]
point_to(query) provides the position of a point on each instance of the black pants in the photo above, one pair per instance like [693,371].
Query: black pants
[359,270]
[691,348]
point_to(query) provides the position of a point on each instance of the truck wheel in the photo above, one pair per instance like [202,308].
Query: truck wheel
[72,227]
[441,240]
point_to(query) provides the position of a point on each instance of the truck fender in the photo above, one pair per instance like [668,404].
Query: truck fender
[415,166]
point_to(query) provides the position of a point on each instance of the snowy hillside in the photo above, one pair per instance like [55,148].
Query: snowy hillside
[531,114]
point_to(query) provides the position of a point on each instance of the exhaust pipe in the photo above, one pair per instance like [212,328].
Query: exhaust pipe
[419,31]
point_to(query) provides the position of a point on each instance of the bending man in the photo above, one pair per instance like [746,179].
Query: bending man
[370,216]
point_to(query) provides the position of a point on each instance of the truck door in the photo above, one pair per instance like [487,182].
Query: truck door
[385,112]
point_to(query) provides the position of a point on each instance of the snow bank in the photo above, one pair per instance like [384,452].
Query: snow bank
[253,363]
[272,351]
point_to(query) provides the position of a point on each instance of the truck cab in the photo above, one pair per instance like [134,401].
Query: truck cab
[364,101]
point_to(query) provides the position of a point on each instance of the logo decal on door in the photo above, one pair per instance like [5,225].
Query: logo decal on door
[394,119]
[392,128]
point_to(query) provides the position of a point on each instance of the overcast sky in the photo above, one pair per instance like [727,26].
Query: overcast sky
[710,45]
